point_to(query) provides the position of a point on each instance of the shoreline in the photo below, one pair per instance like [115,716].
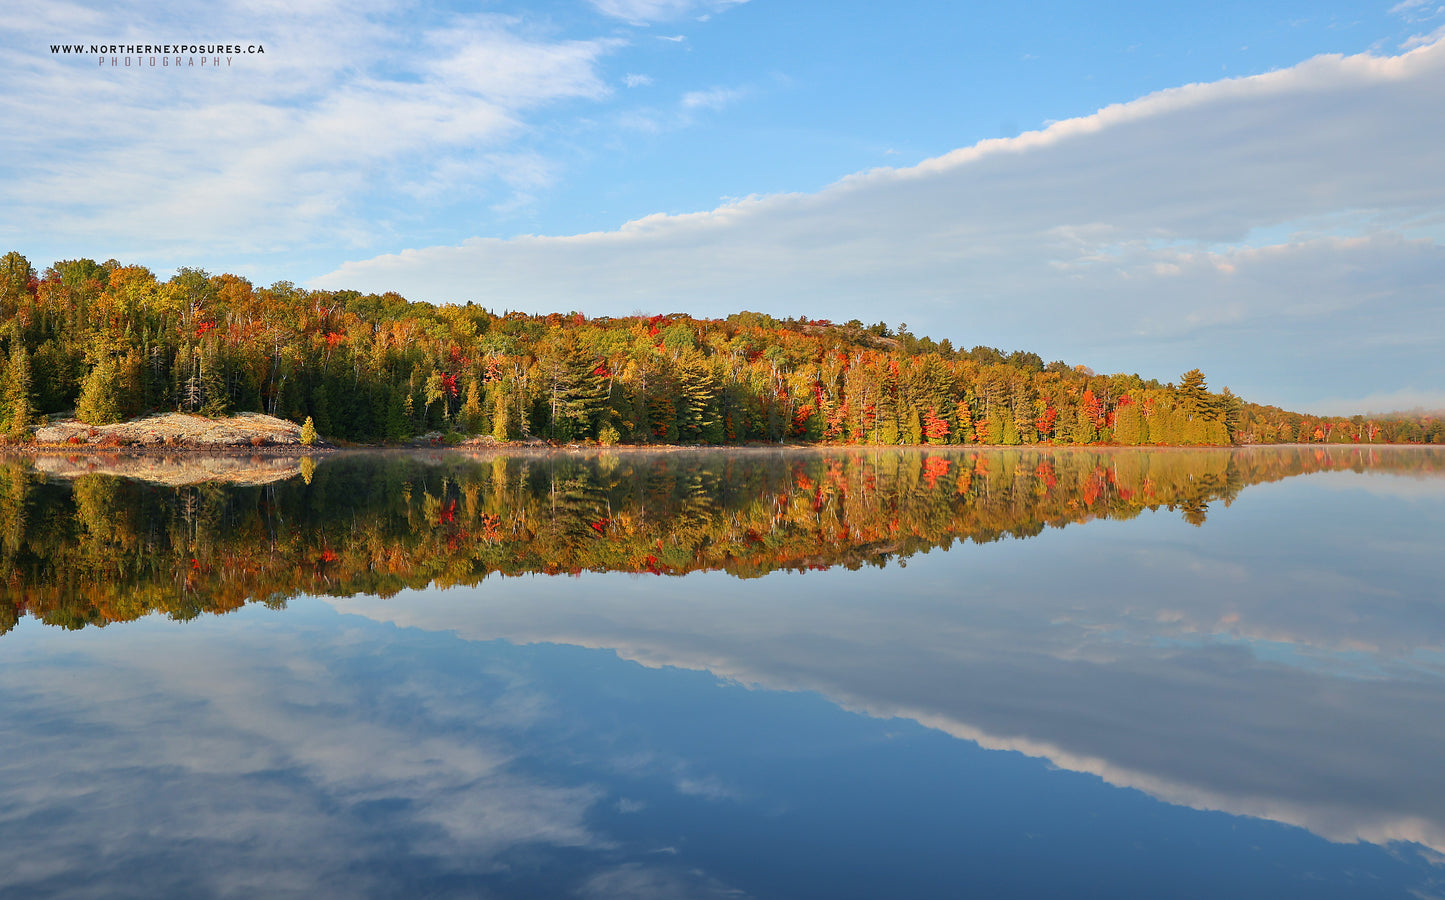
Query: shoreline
[178,466]
[282,451]
[262,436]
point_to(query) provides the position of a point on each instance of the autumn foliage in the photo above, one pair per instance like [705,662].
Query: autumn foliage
[112,341]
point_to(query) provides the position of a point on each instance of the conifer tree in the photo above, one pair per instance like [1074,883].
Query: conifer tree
[1128,425]
[1194,396]
[17,395]
[501,419]
[991,428]
[912,426]
[471,412]
[888,430]
[320,405]
[99,403]
[1010,435]
[1084,430]
[697,413]
[213,381]
[576,391]
[1159,423]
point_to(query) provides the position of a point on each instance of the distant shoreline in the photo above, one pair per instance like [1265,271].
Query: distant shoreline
[516,448]
[179,466]
[262,436]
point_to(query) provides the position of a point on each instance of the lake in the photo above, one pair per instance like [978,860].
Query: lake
[819,673]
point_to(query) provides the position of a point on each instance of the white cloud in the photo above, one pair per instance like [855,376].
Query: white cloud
[49,20]
[634,80]
[344,109]
[1421,40]
[1227,220]
[644,11]
[713,98]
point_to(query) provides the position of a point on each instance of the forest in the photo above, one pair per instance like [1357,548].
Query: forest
[101,549]
[111,341]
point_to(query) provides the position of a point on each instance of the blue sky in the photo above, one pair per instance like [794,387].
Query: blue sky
[1250,189]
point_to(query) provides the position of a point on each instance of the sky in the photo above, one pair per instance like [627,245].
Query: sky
[1254,190]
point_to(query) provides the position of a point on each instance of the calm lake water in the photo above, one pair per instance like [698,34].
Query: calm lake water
[753,674]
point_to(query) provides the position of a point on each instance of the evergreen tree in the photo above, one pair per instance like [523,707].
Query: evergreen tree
[888,432]
[1159,423]
[501,413]
[216,400]
[187,383]
[576,391]
[1010,435]
[992,431]
[1128,425]
[472,415]
[99,402]
[1084,430]
[320,407]
[912,426]
[17,396]
[1231,409]
[398,415]
[1194,396]
[697,403]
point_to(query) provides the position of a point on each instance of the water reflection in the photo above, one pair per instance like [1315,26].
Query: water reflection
[92,548]
[1258,668]
[1284,661]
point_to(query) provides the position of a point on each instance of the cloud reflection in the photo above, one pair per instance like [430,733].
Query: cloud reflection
[185,755]
[1250,667]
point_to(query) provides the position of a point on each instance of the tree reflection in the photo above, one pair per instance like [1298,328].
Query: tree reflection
[102,549]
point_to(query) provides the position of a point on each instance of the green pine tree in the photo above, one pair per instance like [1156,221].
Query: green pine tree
[994,425]
[697,403]
[18,390]
[1010,436]
[1084,430]
[888,431]
[471,414]
[912,427]
[398,422]
[99,402]
[1128,425]
[501,414]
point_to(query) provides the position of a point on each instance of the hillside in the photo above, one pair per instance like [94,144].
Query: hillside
[113,342]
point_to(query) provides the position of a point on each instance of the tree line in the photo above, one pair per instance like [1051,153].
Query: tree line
[111,341]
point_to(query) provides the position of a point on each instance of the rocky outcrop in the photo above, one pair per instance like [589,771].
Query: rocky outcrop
[176,430]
